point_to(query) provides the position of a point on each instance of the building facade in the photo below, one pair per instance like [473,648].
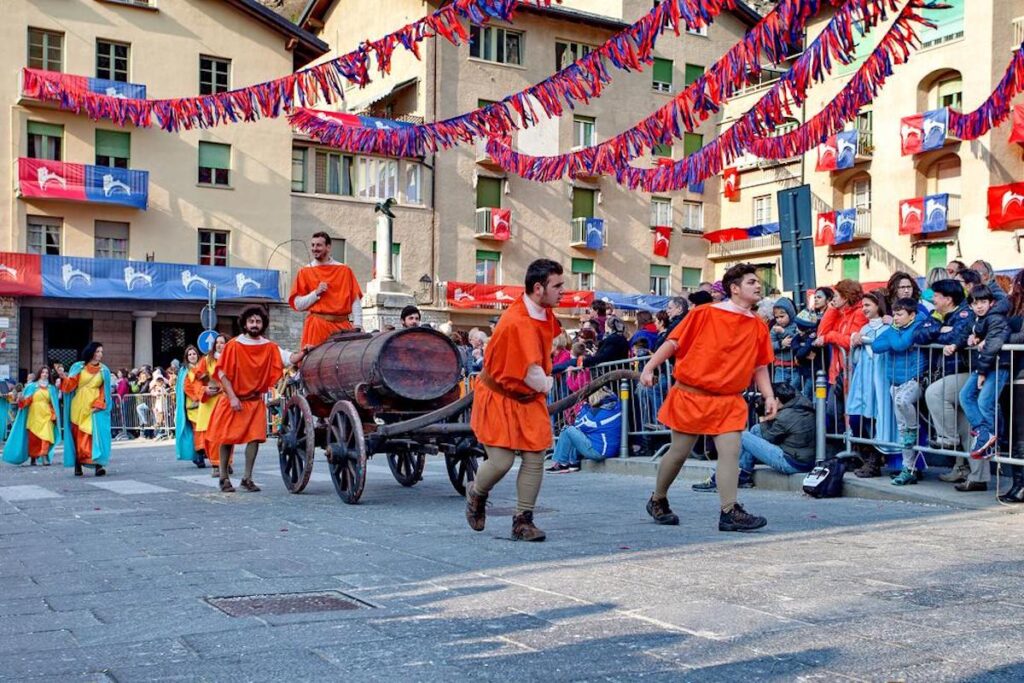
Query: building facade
[217,198]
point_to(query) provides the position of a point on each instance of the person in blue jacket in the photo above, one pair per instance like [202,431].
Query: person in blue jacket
[596,435]
[904,365]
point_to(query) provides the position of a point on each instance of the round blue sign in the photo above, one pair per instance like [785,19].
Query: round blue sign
[206,340]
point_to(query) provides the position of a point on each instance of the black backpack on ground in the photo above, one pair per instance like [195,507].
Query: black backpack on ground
[826,479]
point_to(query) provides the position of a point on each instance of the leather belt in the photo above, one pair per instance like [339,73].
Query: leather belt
[254,396]
[331,318]
[693,390]
[517,396]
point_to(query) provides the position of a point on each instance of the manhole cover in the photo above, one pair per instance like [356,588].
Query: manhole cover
[286,603]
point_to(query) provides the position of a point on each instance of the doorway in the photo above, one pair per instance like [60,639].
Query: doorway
[64,339]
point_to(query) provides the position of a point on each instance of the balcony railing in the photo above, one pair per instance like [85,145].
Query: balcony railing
[1018,33]
[862,229]
[46,179]
[46,86]
[581,236]
[485,225]
[753,245]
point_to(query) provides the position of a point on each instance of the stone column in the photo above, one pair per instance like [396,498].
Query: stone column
[143,337]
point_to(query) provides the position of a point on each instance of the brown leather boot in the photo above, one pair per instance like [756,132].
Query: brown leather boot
[476,509]
[872,466]
[225,485]
[523,528]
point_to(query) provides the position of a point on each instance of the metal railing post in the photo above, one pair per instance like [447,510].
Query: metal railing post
[624,387]
[820,392]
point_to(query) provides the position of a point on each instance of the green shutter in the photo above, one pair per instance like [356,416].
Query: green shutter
[662,70]
[851,268]
[113,143]
[582,203]
[49,129]
[396,248]
[488,193]
[484,255]
[936,257]
[214,155]
[692,143]
[691,277]
[662,150]
[693,72]
[583,265]
[661,271]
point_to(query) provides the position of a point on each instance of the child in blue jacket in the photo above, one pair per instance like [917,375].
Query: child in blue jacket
[596,435]
[783,334]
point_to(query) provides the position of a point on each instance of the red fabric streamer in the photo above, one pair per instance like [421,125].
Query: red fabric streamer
[662,240]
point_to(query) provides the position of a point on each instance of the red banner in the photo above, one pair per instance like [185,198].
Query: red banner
[20,274]
[501,224]
[1006,207]
[731,184]
[662,240]
[52,179]
[472,295]
[828,153]
[825,231]
[912,134]
[912,216]
[1017,134]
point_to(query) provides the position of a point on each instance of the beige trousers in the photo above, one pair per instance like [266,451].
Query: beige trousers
[499,462]
[728,472]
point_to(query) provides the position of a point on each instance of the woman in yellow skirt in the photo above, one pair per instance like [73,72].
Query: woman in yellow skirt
[87,404]
[206,374]
[35,432]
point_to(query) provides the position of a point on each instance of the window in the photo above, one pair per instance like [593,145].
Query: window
[851,268]
[113,148]
[495,44]
[112,60]
[936,257]
[691,279]
[582,131]
[568,52]
[763,209]
[213,247]
[692,143]
[214,163]
[701,31]
[413,183]
[487,265]
[862,194]
[865,126]
[334,174]
[45,141]
[660,277]
[950,92]
[45,50]
[661,212]
[693,217]
[44,235]
[583,201]
[378,178]
[488,193]
[693,72]
[583,270]
[111,239]
[768,277]
[662,150]
[396,260]
[214,75]
[661,80]
[299,168]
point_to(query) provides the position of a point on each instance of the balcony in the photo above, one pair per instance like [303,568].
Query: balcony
[57,180]
[483,158]
[46,86]
[931,214]
[862,230]
[493,224]
[587,233]
[926,132]
[765,244]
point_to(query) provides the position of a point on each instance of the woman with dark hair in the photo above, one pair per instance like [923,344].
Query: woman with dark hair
[187,394]
[35,432]
[210,394]
[87,404]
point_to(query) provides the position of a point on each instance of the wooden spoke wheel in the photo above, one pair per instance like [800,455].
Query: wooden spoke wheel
[296,443]
[462,467]
[407,468]
[346,452]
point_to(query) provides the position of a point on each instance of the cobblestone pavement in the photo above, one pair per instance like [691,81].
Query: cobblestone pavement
[108,579]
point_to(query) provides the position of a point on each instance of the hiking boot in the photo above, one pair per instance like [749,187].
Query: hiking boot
[971,486]
[983,443]
[746,480]
[955,475]
[906,477]
[250,486]
[709,485]
[658,509]
[523,528]
[225,486]
[476,509]
[871,468]
[738,519]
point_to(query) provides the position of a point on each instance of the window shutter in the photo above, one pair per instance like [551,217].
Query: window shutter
[851,267]
[662,70]
[214,155]
[583,265]
[488,193]
[582,203]
[693,72]
[50,129]
[691,277]
[484,255]
[692,143]
[661,271]
[112,143]
[936,257]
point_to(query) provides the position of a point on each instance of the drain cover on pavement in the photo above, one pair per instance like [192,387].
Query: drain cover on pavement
[286,603]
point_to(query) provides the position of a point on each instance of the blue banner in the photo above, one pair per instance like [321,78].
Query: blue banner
[595,233]
[846,149]
[121,186]
[73,277]
[696,188]
[936,123]
[846,224]
[131,91]
[633,302]
[936,213]
[762,230]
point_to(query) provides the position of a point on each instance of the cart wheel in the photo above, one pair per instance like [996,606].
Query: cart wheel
[346,452]
[407,467]
[296,443]
[462,468]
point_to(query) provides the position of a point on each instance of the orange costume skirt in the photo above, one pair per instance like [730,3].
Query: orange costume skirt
[693,411]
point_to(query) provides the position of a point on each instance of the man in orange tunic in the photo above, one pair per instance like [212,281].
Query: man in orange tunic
[718,349]
[510,415]
[328,291]
[250,365]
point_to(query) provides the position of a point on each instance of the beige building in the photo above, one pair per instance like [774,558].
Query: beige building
[984,32]
[442,232]
[217,197]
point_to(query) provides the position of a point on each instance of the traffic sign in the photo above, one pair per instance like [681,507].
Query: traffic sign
[208,318]
[207,340]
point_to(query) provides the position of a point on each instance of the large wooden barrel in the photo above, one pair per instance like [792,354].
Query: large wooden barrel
[414,364]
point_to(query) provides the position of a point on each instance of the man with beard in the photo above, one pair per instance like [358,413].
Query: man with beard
[250,365]
[328,291]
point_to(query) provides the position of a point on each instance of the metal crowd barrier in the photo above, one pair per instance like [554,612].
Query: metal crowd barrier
[149,416]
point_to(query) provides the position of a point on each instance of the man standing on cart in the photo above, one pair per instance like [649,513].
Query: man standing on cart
[328,291]
[510,416]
